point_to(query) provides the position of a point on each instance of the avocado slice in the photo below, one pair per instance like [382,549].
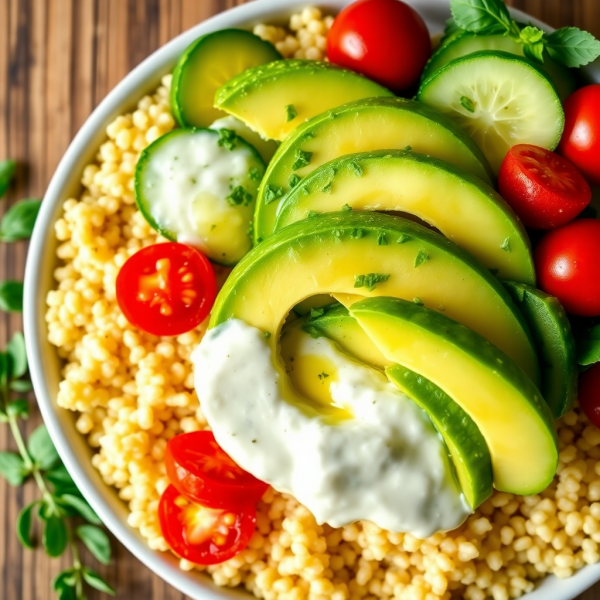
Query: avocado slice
[503,402]
[555,343]
[467,447]
[274,99]
[361,126]
[314,302]
[345,253]
[465,209]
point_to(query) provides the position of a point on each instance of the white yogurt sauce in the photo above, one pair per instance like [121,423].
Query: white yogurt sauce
[386,465]
[189,178]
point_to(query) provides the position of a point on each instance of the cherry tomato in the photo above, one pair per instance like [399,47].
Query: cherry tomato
[589,393]
[543,188]
[166,289]
[386,40]
[202,535]
[567,262]
[580,141]
[201,471]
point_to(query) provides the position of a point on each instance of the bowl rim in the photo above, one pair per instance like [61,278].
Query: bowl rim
[193,584]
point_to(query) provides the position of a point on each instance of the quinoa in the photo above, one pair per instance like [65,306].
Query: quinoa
[133,392]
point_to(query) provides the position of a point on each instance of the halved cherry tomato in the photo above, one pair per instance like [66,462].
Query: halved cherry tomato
[386,40]
[567,263]
[589,393]
[202,535]
[580,142]
[543,188]
[166,289]
[203,472]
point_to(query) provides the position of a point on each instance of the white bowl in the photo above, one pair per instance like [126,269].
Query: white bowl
[43,359]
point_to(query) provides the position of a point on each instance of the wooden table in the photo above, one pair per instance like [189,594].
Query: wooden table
[58,59]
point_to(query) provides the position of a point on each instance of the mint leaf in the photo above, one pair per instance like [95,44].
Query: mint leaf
[588,347]
[54,537]
[42,449]
[533,43]
[67,578]
[17,357]
[534,52]
[11,296]
[82,508]
[531,34]
[370,280]
[302,159]
[421,258]
[18,221]
[481,16]
[7,171]
[294,180]
[24,525]
[227,138]
[96,541]
[21,385]
[572,47]
[239,197]
[272,193]
[19,409]
[12,468]
[94,580]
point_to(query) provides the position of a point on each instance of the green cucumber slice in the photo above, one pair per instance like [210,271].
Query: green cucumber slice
[465,42]
[198,186]
[555,343]
[500,99]
[206,65]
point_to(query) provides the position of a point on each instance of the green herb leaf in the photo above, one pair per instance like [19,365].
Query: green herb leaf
[382,239]
[467,104]
[11,296]
[21,385]
[506,245]
[533,43]
[68,593]
[481,16]
[272,193]
[18,221]
[66,578]
[357,233]
[315,313]
[96,541]
[421,258]
[294,180]
[55,536]
[82,508]
[239,197]
[572,47]
[403,238]
[4,372]
[418,301]
[24,525]
[255,174]
[323,375]
[346,208]
[227,138]
[326,189]
[94,580]
[12,468]
[370,280]
[356,168]
[7,171]
[17,357]
[61,480]
[18,408]
[302,159]
[588,347]
[42,449]
[267,335]
[450,30]
[290,112]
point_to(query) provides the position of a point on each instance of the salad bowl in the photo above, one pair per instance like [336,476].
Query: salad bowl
[43,359]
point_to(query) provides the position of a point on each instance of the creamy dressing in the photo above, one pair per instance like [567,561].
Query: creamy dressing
[386,464]
[189,178]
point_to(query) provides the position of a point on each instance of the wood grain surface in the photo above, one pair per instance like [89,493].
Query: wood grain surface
[58,59]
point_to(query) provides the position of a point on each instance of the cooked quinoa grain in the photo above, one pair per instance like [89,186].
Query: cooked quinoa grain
[133,392]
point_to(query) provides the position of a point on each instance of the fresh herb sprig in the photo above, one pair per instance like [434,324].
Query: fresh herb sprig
[66,518]
[569,46]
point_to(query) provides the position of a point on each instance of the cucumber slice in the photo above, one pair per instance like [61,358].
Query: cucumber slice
[499,99]
[198,186]
[463,43]
[206,65]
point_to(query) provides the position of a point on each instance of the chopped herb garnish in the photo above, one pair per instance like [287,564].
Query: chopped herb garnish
[311,213]
[346,208]
[418,301]
[212,227]
[467,104]
[382,239]
[272,193]
[302,159]
[315,313]
[421,258]
[304,190]
[357,233]
[327,188]
[193,180]
[290,112]
[323,375]
[356,168]
[294,180]
[227,138]
[338,233]
[403,238]
[239,197]
[506,245]
[255,174]
[309,135]
[370,280]
[267,335]
[254,441]
[407,148]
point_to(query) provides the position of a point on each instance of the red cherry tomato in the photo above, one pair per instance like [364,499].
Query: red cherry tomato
[567,262]
[202,535]
[166,289]
[543,188]
[589,393]
[201,471]
[386,40]
[580,141]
